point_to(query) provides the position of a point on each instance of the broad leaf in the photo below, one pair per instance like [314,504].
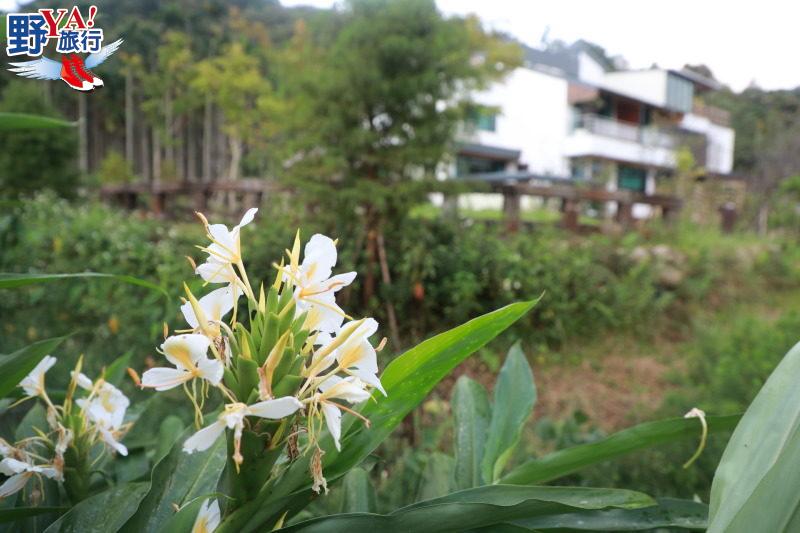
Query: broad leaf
[480,507]
[437,477]
[514,397]
[177,479]
[116,371]
[13,281]
[15,366]
[24,121]
[407,380]
[757,484]
[564,462]
[103,512]
[471,415]
[18,513]
[669,513]
[359,495]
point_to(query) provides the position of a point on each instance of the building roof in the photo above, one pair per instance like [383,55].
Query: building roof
[489,152]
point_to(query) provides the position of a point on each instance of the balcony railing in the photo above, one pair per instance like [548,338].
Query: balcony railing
[645,135]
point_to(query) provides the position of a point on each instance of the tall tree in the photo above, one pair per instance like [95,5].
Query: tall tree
[378,91]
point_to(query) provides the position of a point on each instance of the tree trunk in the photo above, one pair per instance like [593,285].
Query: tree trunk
[129,120]
[83,133]
[191,151]
[221,145]
[144,153]
[156,156]
[208,132]
[236,147]
[386,279]
[169,137]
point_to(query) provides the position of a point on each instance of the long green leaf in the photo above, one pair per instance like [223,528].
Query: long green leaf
[668,513]
[359,495]
[480,507]
[514,397]
[23,121]
[407,380]
[177,479]
[103,512]
[757,483]
[471,415]
[564,462]
[18,513]
[15,366]
[10,280]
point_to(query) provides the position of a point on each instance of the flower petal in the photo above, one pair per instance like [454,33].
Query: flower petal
[10,466]
[359,355]
[208,517]
[248,217]
[33,383]
[82,380]
[333,419]
[109,439]
[205,438]
[340,281]
[349,389]
[370,378]
[277,408]
[185,350]
[211,370]
[163,379]
[215,271]
[319,258]
[14,484]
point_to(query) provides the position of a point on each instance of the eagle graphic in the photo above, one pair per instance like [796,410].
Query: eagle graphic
[73,70]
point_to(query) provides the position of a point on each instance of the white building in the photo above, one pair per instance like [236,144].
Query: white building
[569,114]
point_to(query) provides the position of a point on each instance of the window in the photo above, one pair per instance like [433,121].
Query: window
[484,120]
[466,165]
[631,178]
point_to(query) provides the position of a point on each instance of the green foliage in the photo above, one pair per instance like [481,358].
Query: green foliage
[372,81]
[115,169]
[24,121]
[177,479]
[471,416]
[34,158]
[730,364]
[756,485]
[514,397]
[564,462]
[407,380]
[17,365]
[484,506]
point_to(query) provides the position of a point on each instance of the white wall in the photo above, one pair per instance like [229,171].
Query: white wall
[719,154]
[646,85]
[590,70]
[585,143]
[534,118]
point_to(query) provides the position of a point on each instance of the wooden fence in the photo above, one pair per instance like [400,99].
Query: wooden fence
[167,199]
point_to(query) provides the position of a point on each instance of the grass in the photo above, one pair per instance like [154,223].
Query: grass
[532,216]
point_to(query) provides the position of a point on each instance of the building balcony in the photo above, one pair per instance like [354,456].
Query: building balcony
[596,136]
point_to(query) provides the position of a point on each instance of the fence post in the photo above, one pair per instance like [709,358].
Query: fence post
[511,205]
[571,210]
[625,213]
[728,217]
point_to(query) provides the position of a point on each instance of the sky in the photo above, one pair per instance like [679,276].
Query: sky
[742,42]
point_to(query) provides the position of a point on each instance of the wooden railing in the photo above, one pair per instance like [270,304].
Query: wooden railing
[165,198]
[161,198]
